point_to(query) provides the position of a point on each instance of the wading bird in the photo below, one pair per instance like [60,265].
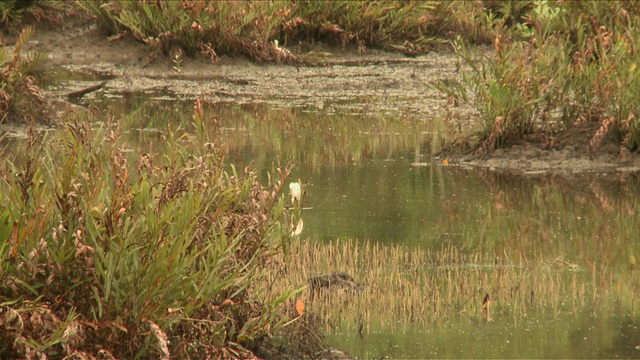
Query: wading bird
[296,192]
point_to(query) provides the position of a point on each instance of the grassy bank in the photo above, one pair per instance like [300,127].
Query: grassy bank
[252,28]
[567,68]
[557,67]
[263,30]
[108,253]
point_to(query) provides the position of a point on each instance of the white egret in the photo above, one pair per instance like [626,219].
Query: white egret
[298,228]
[296,192]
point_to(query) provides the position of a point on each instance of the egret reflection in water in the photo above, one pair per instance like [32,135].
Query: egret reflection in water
[298,228]
[296,196]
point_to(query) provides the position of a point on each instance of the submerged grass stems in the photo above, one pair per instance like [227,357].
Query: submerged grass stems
[108,253]
[408,286]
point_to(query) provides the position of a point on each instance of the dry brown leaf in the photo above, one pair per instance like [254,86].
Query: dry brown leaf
[162,339]
[226,303]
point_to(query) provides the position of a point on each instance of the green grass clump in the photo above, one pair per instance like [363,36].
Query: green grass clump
[568,64]
[391,25]
[251,28]
[109,253]
[210,27]
[12,12]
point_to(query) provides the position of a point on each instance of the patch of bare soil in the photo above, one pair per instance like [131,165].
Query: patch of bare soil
[373,81]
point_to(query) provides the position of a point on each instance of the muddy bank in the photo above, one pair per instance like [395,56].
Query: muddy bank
[530,159]
[372,82]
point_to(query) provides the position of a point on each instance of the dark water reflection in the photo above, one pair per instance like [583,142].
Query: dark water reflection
[373,177]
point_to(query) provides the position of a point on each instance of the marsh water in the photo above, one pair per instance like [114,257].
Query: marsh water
[372,175]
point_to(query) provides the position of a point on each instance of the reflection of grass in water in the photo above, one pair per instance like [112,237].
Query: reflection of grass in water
[410,286]
[323,139]
[261,132]
[589,221]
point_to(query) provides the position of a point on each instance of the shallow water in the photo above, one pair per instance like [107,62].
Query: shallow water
[575,336]
[372,176]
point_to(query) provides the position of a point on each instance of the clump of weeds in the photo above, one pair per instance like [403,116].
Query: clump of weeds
[265,31]
[567,65]
[13,12]
[206,27]
[106,253]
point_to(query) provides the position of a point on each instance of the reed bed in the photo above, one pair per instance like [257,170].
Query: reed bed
[407,286]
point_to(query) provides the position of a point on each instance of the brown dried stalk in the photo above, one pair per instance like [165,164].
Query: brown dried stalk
[596,140]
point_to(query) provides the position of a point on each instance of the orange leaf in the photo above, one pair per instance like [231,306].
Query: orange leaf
[299,307]
[445,161]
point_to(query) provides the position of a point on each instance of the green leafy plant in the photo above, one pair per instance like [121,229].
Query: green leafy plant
[105,253]
[575,66]
[393,25]
[254,28]
[12,12]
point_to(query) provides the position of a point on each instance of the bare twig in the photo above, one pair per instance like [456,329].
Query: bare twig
[81,92]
